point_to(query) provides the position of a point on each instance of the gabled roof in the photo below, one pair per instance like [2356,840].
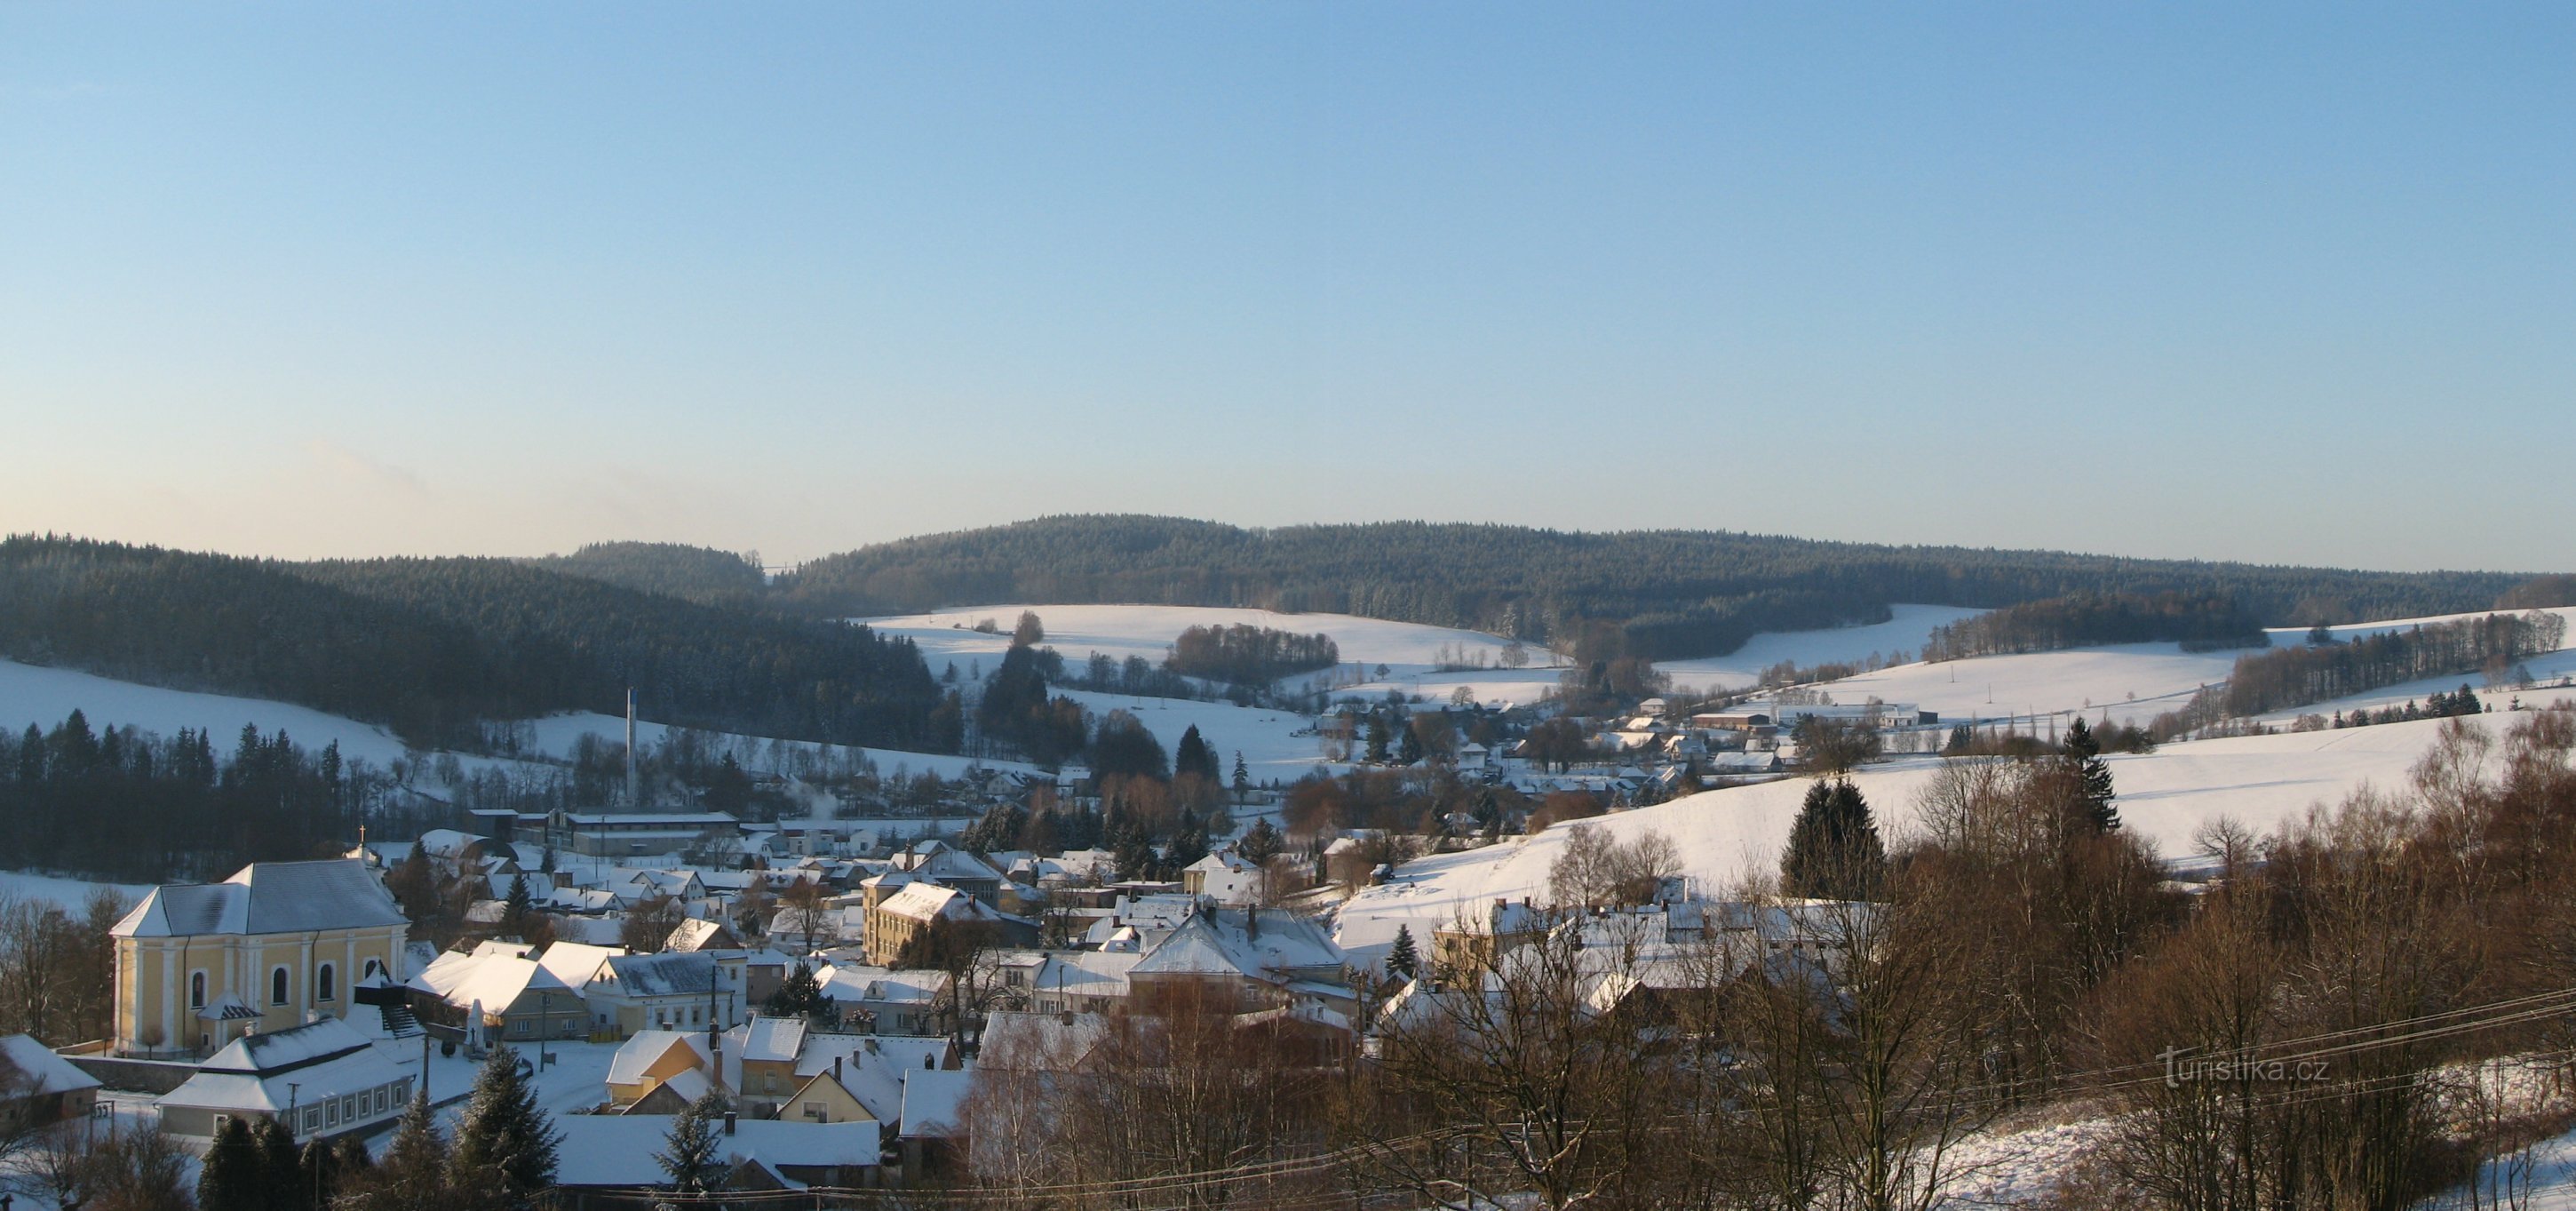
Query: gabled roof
[31,1069]
[320,1058]
[930,1100]
[669,974]
[493,981]
[1039,1042]
[770,1040]
[266,898]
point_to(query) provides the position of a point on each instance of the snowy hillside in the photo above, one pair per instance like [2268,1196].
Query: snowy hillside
[1725,835]
[1904,632]
[43,696]
[2130,683]
[1409,651]
[31,694]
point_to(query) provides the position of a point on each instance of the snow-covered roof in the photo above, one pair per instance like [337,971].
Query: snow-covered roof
[930,1100]
[639,1052]
[668,974]
[1089,973]
[931,902]
[324,1058]
[618,1149]
[1217,942]
[266,898]
[493,981]
[769,1040]
[1039,1042]
[31,1069]
[873,1067]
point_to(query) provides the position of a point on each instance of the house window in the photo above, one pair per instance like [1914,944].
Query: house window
[277,987]
[197,995]
[325,983]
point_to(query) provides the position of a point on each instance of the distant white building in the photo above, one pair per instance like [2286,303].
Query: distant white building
[1225,876]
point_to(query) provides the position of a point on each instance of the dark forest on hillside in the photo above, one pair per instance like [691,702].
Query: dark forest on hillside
[1659,594]
[672,569]
[430,647]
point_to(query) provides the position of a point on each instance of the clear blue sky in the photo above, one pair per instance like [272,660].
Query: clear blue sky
[2265,282]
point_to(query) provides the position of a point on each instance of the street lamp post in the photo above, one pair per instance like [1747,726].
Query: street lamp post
[292,1122]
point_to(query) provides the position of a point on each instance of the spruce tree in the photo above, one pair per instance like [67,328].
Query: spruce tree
[1243,777]
[1260,843]
[799,995]
[506,1144]
[1193,756]
[1408,748]
[233,1178]
[1378,739]
[1834,850]
[281,1170]
[2092,777]
[693,1153]
[318,1173]
[413,1176]
[514,909]
[1403,960]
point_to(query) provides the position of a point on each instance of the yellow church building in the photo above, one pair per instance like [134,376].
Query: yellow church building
[199,965]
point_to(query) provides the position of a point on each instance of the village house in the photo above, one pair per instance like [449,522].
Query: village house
[38,1087]
[323,1078]
[494,995]
[200,965]
[909,912]
[670,990]
[1226,877]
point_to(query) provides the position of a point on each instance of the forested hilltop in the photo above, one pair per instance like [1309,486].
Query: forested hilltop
[1660,593]
[699,574]
[433,647]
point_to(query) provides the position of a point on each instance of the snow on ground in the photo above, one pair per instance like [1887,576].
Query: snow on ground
[1120,631]
[2130,682]
[1904,632]
[39,695]
[1265,737]
[71,894]
[1726,835]
[557,735]
[2019,1166]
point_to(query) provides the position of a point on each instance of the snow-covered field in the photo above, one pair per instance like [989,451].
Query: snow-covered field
[1726,835]
[557,736]
[43,696]
[1121,631]
[71,894]
[1266,738]
[1904,632]
[2130,683]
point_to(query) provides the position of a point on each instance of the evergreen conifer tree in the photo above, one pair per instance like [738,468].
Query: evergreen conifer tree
[1834,850]
[1193,756]
[1408,747]
[506,1145]
[1243,777]
[233,1177]
[318,1173]
[281,1170]
[693,1153]
[1403,960]
[1261,842]
[1379,738]
[413,1176]
[515,908]
[2092,776]
[799,995]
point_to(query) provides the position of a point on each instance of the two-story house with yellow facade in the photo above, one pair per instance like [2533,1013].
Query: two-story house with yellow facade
[199,965]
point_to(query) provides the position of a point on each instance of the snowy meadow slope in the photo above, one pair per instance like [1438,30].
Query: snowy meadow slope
[1727,835]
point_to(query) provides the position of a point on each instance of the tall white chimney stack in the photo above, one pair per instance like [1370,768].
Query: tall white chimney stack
[634,800]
